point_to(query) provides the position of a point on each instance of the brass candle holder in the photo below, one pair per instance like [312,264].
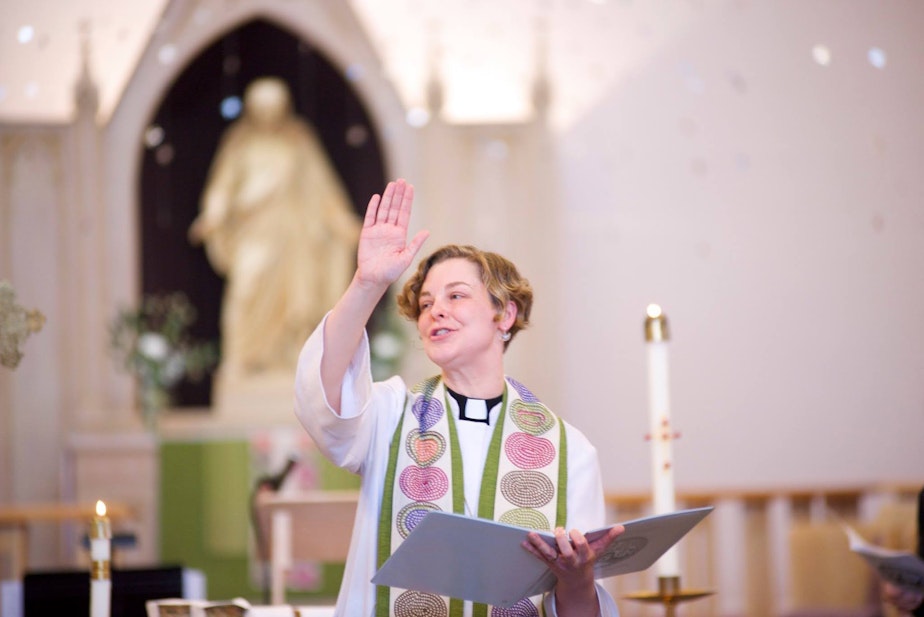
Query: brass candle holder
[670,594]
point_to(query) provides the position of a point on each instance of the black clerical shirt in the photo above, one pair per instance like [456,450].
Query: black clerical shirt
[489,404]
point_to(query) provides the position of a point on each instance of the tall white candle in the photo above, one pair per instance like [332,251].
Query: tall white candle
[100,558]
[662,433]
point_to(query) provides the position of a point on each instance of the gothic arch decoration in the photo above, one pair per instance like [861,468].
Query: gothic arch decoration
[182,137]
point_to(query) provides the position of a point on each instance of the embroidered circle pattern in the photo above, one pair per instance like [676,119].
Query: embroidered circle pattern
[533,418]
[425,448]
[417,604]
[528,452]
[622,549]
[428,411]
[424,483]
[523,608]
[527,489]
[525,517]
[411,514]
[523,391]
[427,385]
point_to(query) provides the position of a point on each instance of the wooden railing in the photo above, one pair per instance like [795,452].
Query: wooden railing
[776,552]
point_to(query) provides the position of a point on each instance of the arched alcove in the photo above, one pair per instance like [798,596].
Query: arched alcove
[183,136]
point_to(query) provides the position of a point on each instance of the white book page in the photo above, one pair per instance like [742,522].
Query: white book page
[483,561]
[900,568]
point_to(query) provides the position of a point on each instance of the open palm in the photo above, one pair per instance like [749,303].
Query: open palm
[384,252]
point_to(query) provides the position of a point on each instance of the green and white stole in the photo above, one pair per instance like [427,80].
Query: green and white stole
[524,483]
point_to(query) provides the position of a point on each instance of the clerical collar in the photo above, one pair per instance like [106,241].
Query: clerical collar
[479,410]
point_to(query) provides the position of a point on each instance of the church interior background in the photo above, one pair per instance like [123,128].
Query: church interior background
[752,166]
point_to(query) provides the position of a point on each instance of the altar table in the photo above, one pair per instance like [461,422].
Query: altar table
[18,518]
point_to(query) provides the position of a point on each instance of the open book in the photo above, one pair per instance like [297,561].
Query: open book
[483,561]
[900,568]
[176,607]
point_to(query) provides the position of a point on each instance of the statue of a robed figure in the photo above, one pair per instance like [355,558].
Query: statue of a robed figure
[277,224]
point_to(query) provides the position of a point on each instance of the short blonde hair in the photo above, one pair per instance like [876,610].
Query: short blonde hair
[500,277]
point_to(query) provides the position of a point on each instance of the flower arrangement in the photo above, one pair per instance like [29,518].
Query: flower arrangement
[16,325]
[152,342]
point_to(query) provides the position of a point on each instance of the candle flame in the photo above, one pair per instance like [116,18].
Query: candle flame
[100,508]
[653,311]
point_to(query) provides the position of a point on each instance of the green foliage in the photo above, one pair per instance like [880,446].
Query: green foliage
[152,343]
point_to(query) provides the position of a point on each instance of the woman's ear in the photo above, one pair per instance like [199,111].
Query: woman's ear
[509,316]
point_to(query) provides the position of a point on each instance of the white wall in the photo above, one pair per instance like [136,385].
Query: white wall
[772,206]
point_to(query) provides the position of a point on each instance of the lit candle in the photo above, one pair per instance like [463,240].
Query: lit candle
[100,556]
[662,460]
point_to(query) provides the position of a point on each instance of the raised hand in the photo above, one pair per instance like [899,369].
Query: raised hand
[384,252]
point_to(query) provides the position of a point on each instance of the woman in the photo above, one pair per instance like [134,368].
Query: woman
[435,446]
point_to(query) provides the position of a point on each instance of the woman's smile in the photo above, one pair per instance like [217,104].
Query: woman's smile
[438,333]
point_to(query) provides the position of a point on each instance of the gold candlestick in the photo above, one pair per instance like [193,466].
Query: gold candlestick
[670,594]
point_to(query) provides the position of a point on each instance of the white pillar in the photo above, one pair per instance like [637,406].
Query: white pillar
[779,524]
[731,556]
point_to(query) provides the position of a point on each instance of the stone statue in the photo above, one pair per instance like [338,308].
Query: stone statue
[277,224]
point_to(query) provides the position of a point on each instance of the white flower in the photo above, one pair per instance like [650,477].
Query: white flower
[174,368]
[153,346]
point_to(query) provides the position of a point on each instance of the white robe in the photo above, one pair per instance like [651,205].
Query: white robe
[358,440]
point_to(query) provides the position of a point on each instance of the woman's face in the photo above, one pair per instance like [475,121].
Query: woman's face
[457,318]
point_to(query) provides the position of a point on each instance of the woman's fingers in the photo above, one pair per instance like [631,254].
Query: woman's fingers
[575,550]
[393,207]
[582,550]
[381,215]
[563,541]
[539,547]
[403,214]
[372,211]
[599,544]
[396,202]
[417,241]
[568,551]
[392,198]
